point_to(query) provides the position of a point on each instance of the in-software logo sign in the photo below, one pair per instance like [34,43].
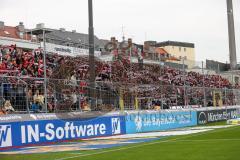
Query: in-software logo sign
[5,136]
[116,127]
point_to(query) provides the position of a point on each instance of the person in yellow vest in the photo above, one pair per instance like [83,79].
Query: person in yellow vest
[86,105]
[157,106]
[38,99]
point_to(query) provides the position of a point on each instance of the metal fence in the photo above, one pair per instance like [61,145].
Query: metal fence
[26,95]
[23,95]
[172,97]
[165,85]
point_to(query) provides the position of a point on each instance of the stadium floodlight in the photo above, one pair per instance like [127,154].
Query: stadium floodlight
[231,34]
[91,54]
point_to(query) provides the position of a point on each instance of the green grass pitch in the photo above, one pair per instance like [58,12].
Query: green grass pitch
[219,144]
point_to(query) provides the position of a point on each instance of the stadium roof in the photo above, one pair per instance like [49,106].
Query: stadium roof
[67,38]
[175,43]
[63,37]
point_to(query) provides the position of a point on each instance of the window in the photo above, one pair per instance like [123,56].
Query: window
[21,35]
[180,49]
[185,49]
[34,37]
[6,32]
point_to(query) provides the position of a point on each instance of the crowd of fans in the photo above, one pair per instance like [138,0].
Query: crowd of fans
[158,81]
[16,62]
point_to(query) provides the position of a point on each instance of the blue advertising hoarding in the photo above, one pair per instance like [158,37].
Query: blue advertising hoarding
[35,132]
[156,121]
[17,134]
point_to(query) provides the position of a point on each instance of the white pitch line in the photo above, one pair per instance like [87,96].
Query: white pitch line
[146,144]
[75,153]
[176,132]
[171,141]
[113,150]
[206,140]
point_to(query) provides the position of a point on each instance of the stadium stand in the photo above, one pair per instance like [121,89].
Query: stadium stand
[165,85]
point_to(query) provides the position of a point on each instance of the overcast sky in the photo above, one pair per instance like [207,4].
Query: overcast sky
[203,22]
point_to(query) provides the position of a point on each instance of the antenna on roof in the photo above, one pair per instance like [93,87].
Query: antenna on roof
[123,35]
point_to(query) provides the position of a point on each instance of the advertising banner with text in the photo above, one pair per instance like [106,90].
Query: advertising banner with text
[216,115]
[17,134]
[68,51]
[156,121]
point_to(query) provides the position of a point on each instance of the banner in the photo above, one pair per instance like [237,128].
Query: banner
[216,115]
[156,121]
[68,51]
[17,134]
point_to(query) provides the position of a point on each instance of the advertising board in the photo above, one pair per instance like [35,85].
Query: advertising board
[68,51]
[209,116]
[17,134]
[156,121]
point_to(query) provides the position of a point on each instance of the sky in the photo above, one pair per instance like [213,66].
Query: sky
[203,22]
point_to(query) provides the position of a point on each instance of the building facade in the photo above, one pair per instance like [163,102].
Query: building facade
[182,50]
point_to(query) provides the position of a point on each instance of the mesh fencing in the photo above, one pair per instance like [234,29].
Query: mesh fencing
[121,84]
[24,95]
